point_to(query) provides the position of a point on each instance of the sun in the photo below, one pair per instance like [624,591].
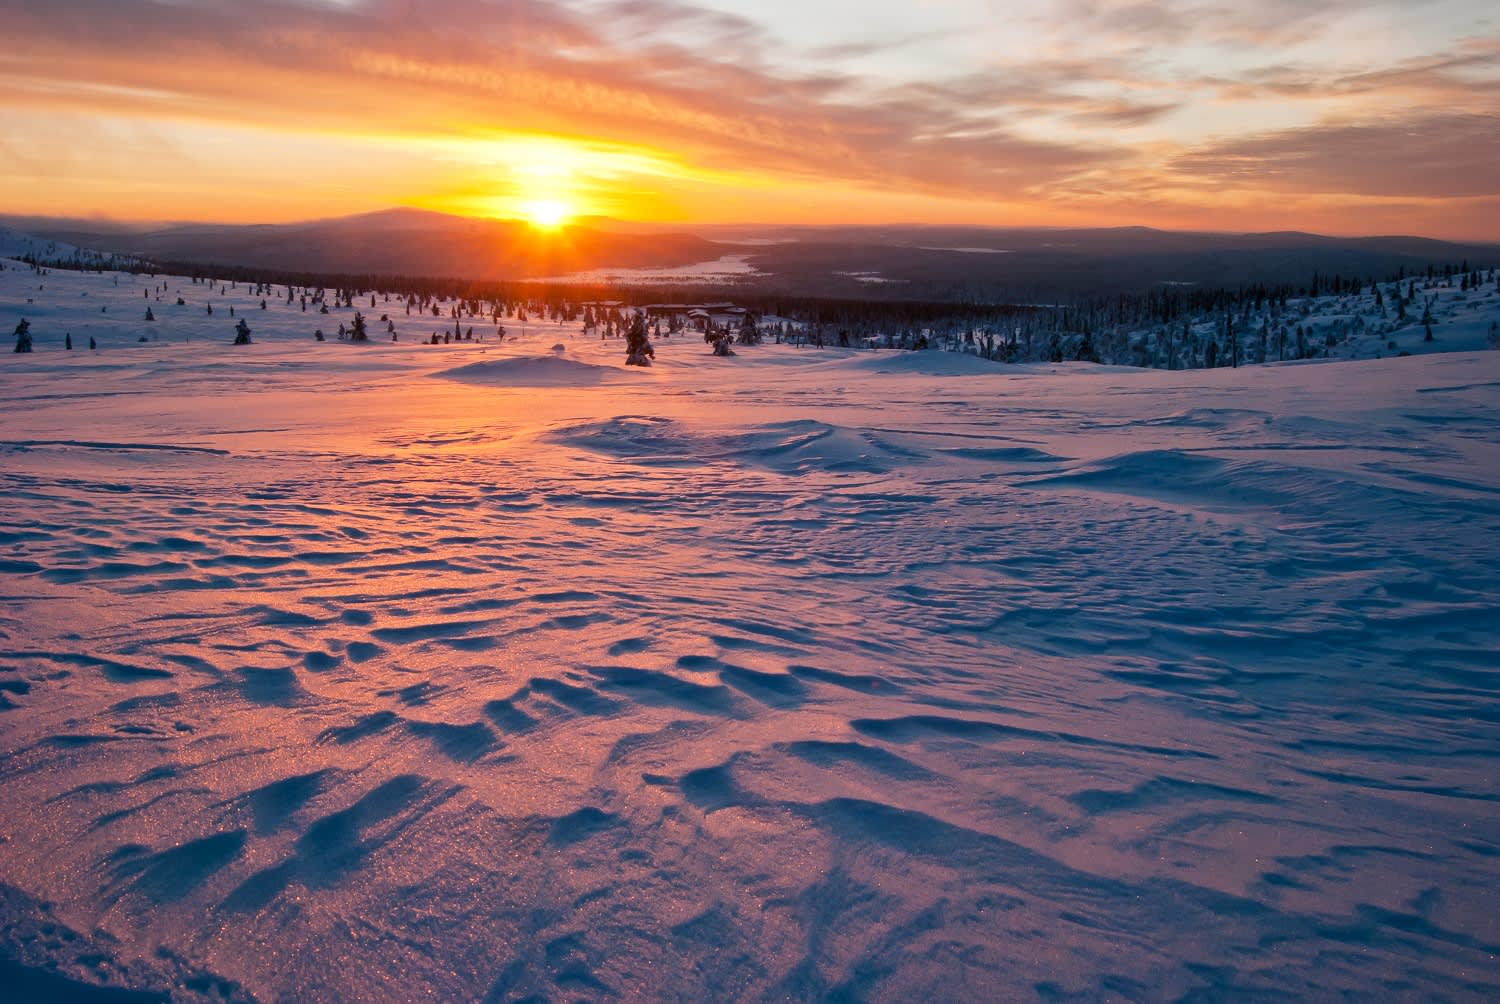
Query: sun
[547,214]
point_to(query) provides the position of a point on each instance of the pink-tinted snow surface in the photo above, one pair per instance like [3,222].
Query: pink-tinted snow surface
[386,673]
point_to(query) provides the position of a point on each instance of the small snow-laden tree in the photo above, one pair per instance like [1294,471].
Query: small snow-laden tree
[1494,336]
[359,333]
[1086,353]
[1141,354]
[23,336]
[242,333]
[638,350]
[1054,349]
[749,332]
[988,345]
[723,342]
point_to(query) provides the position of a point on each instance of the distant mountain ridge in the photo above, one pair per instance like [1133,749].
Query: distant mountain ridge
[887,262]
[390,242]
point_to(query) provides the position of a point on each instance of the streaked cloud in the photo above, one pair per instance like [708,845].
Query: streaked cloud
[1061,110]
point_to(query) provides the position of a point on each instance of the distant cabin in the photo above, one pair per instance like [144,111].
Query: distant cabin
[721,315]
[699,316]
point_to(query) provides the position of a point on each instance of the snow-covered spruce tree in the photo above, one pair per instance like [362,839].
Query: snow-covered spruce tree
[638,350]
[1086,353]
[23,336]
[749,332]
[242,333]
[722,341]
[150,316]
[358,333]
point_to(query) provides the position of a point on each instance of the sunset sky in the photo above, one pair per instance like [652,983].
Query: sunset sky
[1335,116]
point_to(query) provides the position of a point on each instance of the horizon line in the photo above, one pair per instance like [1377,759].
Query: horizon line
[582,222]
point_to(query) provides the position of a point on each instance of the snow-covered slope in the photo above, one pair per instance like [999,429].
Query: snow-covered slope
[1461,313]
[486,671]
[16,244]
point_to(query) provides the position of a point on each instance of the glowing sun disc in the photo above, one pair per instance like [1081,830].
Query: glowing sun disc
[547,214]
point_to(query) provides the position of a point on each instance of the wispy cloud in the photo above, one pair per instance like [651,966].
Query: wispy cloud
[1452,155]
[1142,106]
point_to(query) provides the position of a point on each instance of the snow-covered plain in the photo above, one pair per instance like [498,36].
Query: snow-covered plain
[484,672]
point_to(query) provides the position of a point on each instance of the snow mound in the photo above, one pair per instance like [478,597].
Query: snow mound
[1217,419]
[635,438]
[530,371]
[1176,476]
[805,446]
[929,363]
[1378,490]
[796,447]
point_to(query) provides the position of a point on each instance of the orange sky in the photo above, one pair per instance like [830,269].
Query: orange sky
[1342,117]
